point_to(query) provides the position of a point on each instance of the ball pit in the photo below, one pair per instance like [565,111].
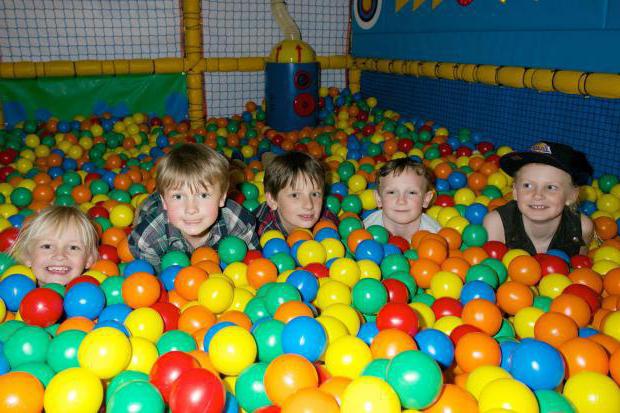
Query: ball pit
[339,318]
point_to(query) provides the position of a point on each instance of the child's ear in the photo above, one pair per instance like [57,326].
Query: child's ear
[271,202]
[90,260]
[573,196]
[428,198]
[514,191]
[377,198]
[163,202]
[223,199]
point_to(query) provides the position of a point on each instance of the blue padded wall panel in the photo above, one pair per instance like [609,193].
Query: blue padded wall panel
[515,117]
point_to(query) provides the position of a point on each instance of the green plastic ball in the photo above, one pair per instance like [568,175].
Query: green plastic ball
[174,258]
[232,249]
[369,296]
[175,340]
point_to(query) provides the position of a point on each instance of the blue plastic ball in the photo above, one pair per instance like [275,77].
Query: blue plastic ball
[477,289]
[115,312]
[212,331]
[436,344]
[537,364]
[305,282]
[13,289]
[368,331]
[475,213]
[304,336]
[84,300]
[138,266]
[275,246]
[369,249]
[168,276]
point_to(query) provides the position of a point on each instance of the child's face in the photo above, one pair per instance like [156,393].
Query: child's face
[542,191]
[403,197]
[299,205]
[59,256]
[193,213]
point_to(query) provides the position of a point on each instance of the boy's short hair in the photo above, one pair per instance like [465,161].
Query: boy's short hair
[194,165]
[285,169]
[56,219]
[400,165]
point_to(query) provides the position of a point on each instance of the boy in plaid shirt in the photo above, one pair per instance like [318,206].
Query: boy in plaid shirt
[189,208]
[294,189]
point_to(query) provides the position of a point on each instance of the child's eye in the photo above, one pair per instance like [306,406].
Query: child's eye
[390,192]
[526,185]
[294,195]
[75,248]
[552,187]
[46,246]
[176,197]
[204,195]
[316,194]
[413,192]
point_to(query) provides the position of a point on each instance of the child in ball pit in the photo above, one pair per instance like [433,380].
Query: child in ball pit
[404,190]
[294,190]
[542,214]
[189,208]
[58,244]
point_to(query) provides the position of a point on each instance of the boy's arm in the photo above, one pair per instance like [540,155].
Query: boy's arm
[241,223]
[587,231]
[494,226]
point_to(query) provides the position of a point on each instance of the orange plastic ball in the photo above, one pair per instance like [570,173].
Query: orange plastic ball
[20,392]
[76,323]
[236,317]
[475,255]
[391,342]
[141,289]
[574,307]
[433,249]
[287,374]
[589,278]
[423,270]
[188,281]
[335,386]
[195,318]
[356,237]
[581,354]
[611,282]
[260,272]
[483,314]
[453,399]
[513,296]
[475,350]
[310,400]
[555,329]
[525,269]
[292,309]
[204,253]
[456,265]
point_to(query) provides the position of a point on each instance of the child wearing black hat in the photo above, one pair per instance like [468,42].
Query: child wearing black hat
[545,190]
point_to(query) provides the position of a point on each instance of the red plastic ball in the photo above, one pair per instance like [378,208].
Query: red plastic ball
[495,249]
[167,370]
[41,307]
[169,313]
[108,252]
[588,294]
[251,255]
[320,270]
[445,306]
[397,291]
[7,238]
[550,264]
[581,261]
[461,331]
[197,391]
[82,279]
[400,242]
[399,316]
[444,200]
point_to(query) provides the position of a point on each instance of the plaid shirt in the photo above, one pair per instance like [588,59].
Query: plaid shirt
[267,219]
[153,235]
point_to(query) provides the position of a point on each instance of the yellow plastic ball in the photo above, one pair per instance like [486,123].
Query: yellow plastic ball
[458,223]
[357,183]
[611,326]
[19,269]
[525,320]
[511,255]
[447,324]
[232,349]
[346,314]
[74,390]
[237,272]
[23,165]
[345,270]
[507,394]
[347,357]
[42,151]
[143,355]
[483,375]
[503,150]
[121,216]
[241,297]
[592,392]
[464,196]
[334,328]
[607,253]
[333,248]
[497,179]
[552,285]
[604,266]
[368,199]
[445,214]
[145,322]
[608,203]
[369,269]
[32,140]
[446,284]
[332,292]
[311,251]
[369,394]
[105,351]
[425,314]
[216,293]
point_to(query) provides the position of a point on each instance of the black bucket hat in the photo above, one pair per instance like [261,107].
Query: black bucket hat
[554,154]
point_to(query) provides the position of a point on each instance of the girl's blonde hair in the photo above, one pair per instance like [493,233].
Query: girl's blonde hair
[56,219]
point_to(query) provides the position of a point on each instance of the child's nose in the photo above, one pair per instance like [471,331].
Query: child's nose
[306,202]
[190,207]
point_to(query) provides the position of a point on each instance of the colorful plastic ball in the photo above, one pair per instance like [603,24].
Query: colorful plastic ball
[279,294]
[135,396]
[62,352]
[311,400]
[274,246]
[176,258]
[232,249]
[286,375]
[197,391]
[416,378]
[29,344]
[482,314]
[14,288]
[141,289]
[84,300]
[75,390]
[216,294]
[538,365]
[592,392]
[105,351]
[175,340]
[20,392]
[550,401]
[475,235]
[250,387]
[138,266]
[232,349]
[369,250]
[41,307]
[437,345]
[306,282]
[369,296]
[268,336]
[347,357]
[304,336]
[378,368]
[475,213]
[483,375]
[477,349]
[121,216]
[311,252]
[168,368]
[367,332]
[369,395]
[509,394]
[477,290]
[145,322]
